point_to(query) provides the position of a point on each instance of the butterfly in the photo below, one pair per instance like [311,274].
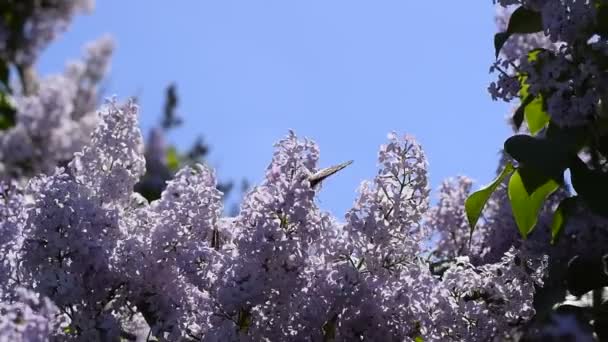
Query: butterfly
[316,178]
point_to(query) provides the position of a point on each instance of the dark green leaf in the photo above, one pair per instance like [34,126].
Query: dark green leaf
[600,321]
[329,329]
[549,157]
[7,113]
[525,206]
[499,40]
[585,274]
[4,74]
[534,179]
[590,185]
[568,139]
[518,116]
[602,20]
[477,200]
[522,20]
[560,217]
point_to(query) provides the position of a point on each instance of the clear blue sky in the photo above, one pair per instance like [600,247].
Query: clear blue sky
[341,72]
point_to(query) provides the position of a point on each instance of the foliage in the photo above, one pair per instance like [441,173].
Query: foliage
[560,80]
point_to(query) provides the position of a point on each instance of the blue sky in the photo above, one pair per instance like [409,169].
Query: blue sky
[344,73]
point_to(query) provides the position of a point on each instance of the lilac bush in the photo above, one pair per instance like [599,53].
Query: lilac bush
[281,270]
[83,257]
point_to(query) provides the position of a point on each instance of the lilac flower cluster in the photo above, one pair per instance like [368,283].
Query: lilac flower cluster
[57,120]
[44,21]
[116,266]
[562,64]
[29,319]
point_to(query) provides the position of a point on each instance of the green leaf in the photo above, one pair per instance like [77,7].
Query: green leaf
[499,40]
[532,107]
[560,217]
[533,54]
[244,320]
[7,113]
[602,20]
[522,20]
[570,139]
[534,179]
[536,116]
[591,186]
[518,116]
[173,160]
[329,329]
[525,206]
[585,273]
[477,200]
[4,73]
[549,157]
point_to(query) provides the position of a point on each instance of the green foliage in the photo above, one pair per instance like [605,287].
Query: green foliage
[7,112]
[586,274]
[522,20]
[532,107]
[173,159]
[518,116]
[546,156]
[590,185]
[329,329]
[560,217]
[477,200]
[4,76]
[543,161]
[602,20]
[526,206]
[244,320]
[536,116]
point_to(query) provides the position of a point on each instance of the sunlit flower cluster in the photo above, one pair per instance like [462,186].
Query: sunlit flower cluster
[57,120]
[281,270]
